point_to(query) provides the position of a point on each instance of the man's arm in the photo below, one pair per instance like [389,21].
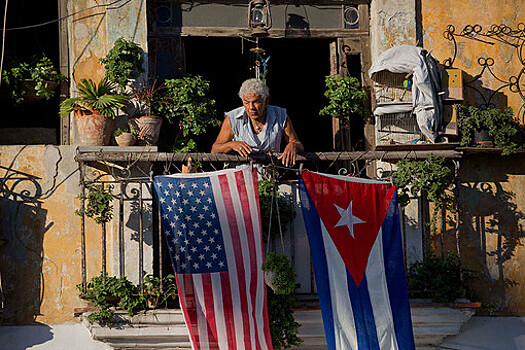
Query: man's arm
[224,143]
[293,145]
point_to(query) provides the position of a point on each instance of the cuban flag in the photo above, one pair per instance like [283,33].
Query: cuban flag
[212,226]
[355,240]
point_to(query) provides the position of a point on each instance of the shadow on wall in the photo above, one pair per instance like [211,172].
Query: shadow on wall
[492,224]
[22,225]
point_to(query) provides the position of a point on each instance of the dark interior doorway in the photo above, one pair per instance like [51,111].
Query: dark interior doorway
[296,74]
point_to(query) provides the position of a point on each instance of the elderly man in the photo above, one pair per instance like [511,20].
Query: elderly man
[257,126]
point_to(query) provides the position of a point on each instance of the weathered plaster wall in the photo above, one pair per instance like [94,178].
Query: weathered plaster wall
[392,23]
[92,31]
[437,15]
[40,264]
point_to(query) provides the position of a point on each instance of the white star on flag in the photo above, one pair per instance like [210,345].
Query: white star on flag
[348,219]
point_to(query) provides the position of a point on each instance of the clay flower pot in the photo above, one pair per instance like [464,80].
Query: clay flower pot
[149,129]
[270,277]
[93,128]
[125,139]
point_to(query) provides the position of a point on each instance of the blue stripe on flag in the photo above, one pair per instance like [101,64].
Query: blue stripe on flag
[365,325]
[315,238]
[395,277]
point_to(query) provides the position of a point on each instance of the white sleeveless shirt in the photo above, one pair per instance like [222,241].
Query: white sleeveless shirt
[270,140]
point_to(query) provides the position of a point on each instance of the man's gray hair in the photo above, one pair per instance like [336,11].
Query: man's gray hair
[254,86]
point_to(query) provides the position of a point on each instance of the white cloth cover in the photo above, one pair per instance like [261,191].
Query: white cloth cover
[425,88]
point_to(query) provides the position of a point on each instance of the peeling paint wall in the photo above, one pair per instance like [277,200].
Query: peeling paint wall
[492,228]
[437,15]
[392,23]
[92,31]
[40,265]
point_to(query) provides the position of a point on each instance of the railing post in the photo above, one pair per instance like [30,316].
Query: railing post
[82,168]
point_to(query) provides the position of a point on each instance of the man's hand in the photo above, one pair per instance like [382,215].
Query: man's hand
[240,147]
[289,153]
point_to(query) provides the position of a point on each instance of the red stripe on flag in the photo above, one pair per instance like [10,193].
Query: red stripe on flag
[207,287]
[190,308]
[265,308]
[229,317]
[246,212]
[239,260]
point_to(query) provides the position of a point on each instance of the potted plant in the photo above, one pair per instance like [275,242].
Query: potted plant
[126,137]
[187,105]
[500,125]
[280,277]
[149,99]
[32,81]
[123,63]
[345,98]
[430,176]
[95,110]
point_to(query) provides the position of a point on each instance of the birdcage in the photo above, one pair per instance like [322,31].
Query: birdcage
[399,127]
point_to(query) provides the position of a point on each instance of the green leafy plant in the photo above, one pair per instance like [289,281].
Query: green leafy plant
[189,107]
[98,204]
[123,62]
[153,293]
[120,131]
[281,301]
[345,96]
[430,176]
[107,291]
[150,97]
[41,72]
[501,125]
[285,207]
[440,279]
[278,263]
[96,98]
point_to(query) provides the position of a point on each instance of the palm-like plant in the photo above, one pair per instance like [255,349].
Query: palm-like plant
[95,98]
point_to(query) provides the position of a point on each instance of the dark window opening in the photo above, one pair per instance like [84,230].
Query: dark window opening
[296,74]
[22,45]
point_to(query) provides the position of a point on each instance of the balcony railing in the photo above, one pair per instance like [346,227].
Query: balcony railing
[136,240]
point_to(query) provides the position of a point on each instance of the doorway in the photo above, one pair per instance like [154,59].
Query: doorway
[296,74]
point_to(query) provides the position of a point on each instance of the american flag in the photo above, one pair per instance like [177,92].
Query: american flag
[212,226]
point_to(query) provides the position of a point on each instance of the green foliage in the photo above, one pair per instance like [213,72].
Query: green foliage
[123,62]
[429,175]
[185,146]
[188,106]
[283,327]
[152,290]
[345,95]
[105,292]
[120,131]
[95,98]
[286,208]
[501,125]
[98,204]
[281,302]
[41,71]
[440,279]
[122,293]
[285,279]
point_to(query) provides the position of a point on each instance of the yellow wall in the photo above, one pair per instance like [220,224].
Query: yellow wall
[437,15]
[41,263]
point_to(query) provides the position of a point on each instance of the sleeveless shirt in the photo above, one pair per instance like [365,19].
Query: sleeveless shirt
[272,132]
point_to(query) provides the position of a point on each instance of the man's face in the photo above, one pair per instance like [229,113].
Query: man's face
[255,105]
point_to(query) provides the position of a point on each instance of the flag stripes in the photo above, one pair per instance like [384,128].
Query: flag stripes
[224,309]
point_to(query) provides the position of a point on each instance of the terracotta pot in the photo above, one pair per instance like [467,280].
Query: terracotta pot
[125,139]
[149,129]
[94,129]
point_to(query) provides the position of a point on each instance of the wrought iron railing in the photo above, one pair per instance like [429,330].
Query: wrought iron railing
[130,176]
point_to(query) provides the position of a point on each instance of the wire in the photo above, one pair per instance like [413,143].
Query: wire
[68,15]
[3,42]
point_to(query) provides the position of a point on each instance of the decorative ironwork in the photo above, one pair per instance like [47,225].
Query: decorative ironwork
[496,34]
